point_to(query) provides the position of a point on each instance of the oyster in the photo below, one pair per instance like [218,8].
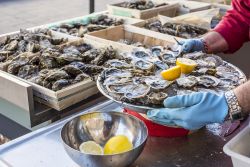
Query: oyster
[59,84]
[157,83]
[73,71]
[208,81]
[168,57]
[113,72]
[194,55]
[115,63]
[104,55]
[214,59]
[28,71]
[80,77]
[56,74]
[187,82]
[120,88]
[157,98]
[143,65]
[157,50]
[137,91]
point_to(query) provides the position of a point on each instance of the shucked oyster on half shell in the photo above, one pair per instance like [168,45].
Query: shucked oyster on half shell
[137,91]
[157,83]
[115,63]
[187,82]
[143,65]
[208,81]
[157,97]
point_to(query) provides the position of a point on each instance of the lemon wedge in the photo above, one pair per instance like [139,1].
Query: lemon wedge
[117,144]
[91,147]
[187,65]
[171,73]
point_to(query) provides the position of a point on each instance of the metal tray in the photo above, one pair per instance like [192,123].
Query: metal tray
[44,148]
[144,109]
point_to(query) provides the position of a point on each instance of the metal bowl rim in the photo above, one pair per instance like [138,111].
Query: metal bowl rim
[106,154]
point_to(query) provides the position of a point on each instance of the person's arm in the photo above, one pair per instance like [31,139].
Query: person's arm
[228,36]
[215,42]
[243,95]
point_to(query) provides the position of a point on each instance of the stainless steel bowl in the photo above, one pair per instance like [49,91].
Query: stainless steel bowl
[100,127]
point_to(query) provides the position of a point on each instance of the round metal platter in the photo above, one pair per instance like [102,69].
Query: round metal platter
[144,109]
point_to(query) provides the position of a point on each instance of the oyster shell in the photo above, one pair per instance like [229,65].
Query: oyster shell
[143,65]
[137,91]
[80,77]
[168,57]
[187,82]
[56,74]
[194,55]
[157,98]
[208,81]
[114,72]
[157,83]
[115,63]
[28,71]
[72,70]
[59,84]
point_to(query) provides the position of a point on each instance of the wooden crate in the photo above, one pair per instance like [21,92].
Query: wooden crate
[85,18]
[19,91]
[168,10]
[189,7]
[112,35]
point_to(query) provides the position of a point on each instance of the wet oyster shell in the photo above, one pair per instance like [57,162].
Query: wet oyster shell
[208,81]
[157,98]
[59,84]
[187,82]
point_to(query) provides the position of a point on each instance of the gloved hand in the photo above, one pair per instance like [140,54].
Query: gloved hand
[192,45]
[191,111]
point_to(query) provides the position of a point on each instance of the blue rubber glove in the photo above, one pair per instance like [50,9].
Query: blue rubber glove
[192,45]
[191,111]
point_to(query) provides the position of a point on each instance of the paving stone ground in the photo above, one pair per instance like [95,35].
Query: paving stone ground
[16,14]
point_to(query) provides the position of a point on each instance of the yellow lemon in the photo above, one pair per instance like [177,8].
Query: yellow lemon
[187,65]
[117,144]
[91,147]
[171,73]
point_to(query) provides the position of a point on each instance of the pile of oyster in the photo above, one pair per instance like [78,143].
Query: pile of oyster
[54,66]
[27,41]
[176,29]
[94,24]
[140,4]
[136,79]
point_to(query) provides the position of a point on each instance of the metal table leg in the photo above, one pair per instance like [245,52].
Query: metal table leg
[91,6]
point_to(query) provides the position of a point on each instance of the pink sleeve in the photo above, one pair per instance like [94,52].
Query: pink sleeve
[234,30]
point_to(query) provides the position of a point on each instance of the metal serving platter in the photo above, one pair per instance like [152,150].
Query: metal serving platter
[144,109]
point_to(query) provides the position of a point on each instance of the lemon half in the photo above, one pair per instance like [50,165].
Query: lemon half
[171,73]
[91,147]
[118,144]
[187,65]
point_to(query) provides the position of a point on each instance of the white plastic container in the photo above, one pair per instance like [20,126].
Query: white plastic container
[239,148]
